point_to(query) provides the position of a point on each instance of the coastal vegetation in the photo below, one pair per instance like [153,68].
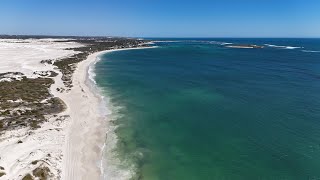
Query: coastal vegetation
[41,173]
[67,65]
[25,102]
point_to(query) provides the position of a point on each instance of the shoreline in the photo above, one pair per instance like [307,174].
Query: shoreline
[84,151]
[68,143]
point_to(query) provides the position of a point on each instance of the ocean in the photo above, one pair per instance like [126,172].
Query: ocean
[194,109]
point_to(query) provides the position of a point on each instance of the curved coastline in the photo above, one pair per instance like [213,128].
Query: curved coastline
[97,138]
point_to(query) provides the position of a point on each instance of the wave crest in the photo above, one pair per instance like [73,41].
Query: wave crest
[310,51]
[283,47]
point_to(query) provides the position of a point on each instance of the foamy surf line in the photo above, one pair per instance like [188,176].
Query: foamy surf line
[283,47]
[108,164]
[219,43]
[91,73]
[310,51]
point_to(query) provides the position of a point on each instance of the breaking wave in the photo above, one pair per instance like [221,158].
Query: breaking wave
[283,47]
[309,51]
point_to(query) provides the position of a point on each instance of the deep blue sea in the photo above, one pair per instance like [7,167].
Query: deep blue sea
[195,109]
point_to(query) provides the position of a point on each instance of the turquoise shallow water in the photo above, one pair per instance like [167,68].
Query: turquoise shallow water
[194,109]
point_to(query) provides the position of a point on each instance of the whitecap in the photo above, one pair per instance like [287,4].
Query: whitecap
[226,43]
[220,43]
[275,46]
[283,47]
[292,47]
[309,51]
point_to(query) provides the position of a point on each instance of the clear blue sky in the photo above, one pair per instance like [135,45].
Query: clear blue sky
[162,18]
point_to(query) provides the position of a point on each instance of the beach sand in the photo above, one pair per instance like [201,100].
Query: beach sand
[22,150]
[91,135]
[75,142]
[71,146]
[87,131]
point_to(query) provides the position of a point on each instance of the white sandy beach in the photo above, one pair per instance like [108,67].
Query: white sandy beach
[44,144]
[90,137]
[71,145]
[74,142]
[87,130]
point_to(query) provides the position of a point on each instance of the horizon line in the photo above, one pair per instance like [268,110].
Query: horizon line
[177,37]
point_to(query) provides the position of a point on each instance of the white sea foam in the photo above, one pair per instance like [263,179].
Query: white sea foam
[91,73]
[275,46]
[226,43]
[110,164]
[292,47]
[309,51]
[166,41]
[220,43]
[150,43]
[283,47]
